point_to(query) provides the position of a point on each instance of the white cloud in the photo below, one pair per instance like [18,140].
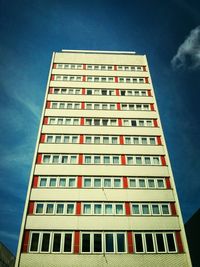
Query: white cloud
[188,53]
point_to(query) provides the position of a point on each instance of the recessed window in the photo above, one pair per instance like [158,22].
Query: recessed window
[56,242]
[67,242]
[109,243]
[45,242]
[34,242]
[97,242]
[85,242]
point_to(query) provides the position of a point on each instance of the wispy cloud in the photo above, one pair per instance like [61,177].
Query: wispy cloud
[188,53]
[9,235]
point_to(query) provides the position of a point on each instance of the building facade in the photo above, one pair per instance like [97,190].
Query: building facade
[101,190]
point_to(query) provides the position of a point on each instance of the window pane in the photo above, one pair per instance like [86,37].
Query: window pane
[88,160]
[74,139]
[145,209]
[97,182]
[130,160]
[97,160]
[109,243]
[151,183]
[139,243]
[60,208]
[55,159]
[106,160]
[155,209]
[97,140]
[152,141]
[135,209]
[87,208]
[85,242]
[170,242]
[70,208]
[141,183]
[56,242]
[107,182]
[45,242]
[147,161]
[66,139]
[97,243]
[43,182]
[120,242]
[58,139]
[156,161]
[88,139]
[117,183]
[72,182]
[64,159]
[39,208]
[97,209]
[73,160]
[161,183]
[165,209]
[136,140]
[46,159]
[132,182]
[127,140]
[49,139]
[106,140]
[149,242]
[87,182]
[138,160]
[114,140]
[108,209]
[144,141]
[34,242]
[115,160]
[68,243]
[119,209]
[160,243]
[62,182]
[49,208]
[52,182]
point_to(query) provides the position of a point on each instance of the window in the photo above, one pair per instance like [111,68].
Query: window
[43,182]
[106,160]
[114,140]
[97,182]
[149,242]
[117,182]
[45,242]
[135,209]
[70,208]
[130,160]
[56,242]
[58,139]
[88,160]
[88,139]
[85,243]
[87,182]
[132,183]
[87,209]
[109,243]
[55,159]
[152,141]
[107,182]
[97,242]
[115,160]
[155,209]
[97,160]
[60,208]
[151,183]
[49,208]
[73,160]
[147,160]
[170,242]
[72,182]
[138,243]
[97,209]
[119,209]
[52,182]
[39,208]
[156,161]
[49,139]
[160,183]
[138,160]
[67,242]
[34,242]
[108,209]
[160,242]
[121,242]
[46,159]
[62,182]
[165,209]
[145,209]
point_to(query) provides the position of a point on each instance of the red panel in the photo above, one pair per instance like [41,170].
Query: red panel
[52,77]
[146,80]
[152,107]
[76,242]
[115,67]
[84,78]
[163,160]
[127,208]
[81,139]
[78,208]
[173,208]
[82,105]
[25,241]
[82,121]
[80,159]
[83,91]
[119,122]
[159,142]
[79,184]
[121,139]
[45,122]
[123,160]
[179,242]
[54,65]
[130,241]
[35,181]
[48,104]
[84,66]
[116,79]
[118,106]
[168,184]
[117,92]
[125,182]
[149,93]
[31,207]
[144,68]
[39,158]
[50,90]
[42,138]
[155,123]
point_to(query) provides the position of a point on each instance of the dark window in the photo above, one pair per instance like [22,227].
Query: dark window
[149,242]
[109,243]
[104,92]
[56,242]
[89,92]
[34,242]
[105,122]
[97,122]
[68,243]
[170,242]
[133,123]
[123,93]
[138,243]
[86,243]
[120,243]
[160,243]
[45,243]
[97,243]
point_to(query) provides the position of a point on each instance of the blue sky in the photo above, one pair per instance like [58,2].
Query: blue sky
[166,31]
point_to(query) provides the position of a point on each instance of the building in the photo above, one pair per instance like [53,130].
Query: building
[7,259]
[101,190]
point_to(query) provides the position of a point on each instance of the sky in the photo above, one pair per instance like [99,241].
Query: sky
[168,32]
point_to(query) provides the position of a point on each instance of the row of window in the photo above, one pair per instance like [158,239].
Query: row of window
[108,92]
[93,139]
[108,79]
[96,106]
[102,242]
[99,159]
[101,122]
[101,182]
[99,67]
[155,209]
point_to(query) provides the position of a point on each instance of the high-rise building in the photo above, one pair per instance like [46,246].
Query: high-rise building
[101,189]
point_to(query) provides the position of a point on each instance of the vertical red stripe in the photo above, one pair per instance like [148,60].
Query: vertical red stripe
[117,92]
[116,79]
[121,139]
[76,242]
[81,139]
[42,138]
[173,208]
[25,241]
[80,159]
[39,158]
[163,160]
[31,207]
[82,121]
[125,182]
[78,208]
[54,65]
[48,104]
[118,106]
[45,120]
[52,77]
[159,142]
[115,67]
[123,160]
[146,80]
[152,107]
[155,123]
[35,181]
[84,66]
[130,241]
[144,68]
[50,90]
[179,242]
[79,183]
[83,91]
[84,78]
[149,92]
[127,208]
[119,122]
[167,182]
[82,105]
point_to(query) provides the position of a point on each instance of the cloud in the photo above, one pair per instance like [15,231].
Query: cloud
[188,53]
[8,235]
